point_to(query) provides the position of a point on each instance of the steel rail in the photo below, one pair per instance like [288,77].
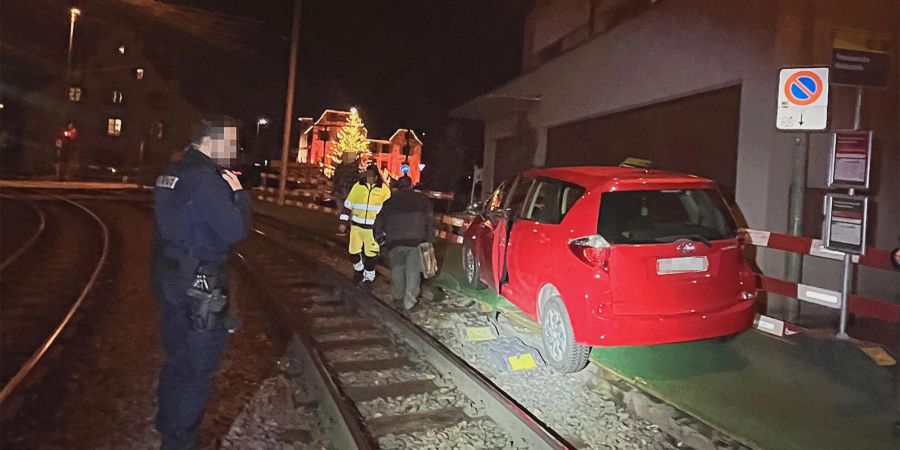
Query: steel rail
[349,431]
[498,405]
[36,357]
[31,239]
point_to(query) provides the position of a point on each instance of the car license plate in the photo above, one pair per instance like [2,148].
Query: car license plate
[670,266]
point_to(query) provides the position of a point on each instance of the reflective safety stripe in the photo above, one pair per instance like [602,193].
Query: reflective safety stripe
[348,204]
[369,275]
[363,221]
[344,217]
[364,207]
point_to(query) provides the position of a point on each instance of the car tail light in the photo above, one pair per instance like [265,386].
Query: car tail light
[593,250]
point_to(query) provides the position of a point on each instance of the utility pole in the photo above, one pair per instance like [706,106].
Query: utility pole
[289,102]
[793,261]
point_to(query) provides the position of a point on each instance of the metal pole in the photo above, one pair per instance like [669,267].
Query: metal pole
[897,383]
[857,112]
[848,262]
[289,102]
[72,18]
[793,262]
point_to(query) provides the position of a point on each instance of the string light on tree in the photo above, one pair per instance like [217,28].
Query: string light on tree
[351,138]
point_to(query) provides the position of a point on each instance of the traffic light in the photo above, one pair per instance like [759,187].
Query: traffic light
[70,133]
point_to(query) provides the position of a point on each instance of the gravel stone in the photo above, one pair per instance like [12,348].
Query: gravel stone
[383,377]
[411,404]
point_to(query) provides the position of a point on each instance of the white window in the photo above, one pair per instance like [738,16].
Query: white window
[74,94]
[139,73]
[113,126]
[118,97]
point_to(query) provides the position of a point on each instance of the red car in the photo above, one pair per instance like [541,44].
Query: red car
[611,256]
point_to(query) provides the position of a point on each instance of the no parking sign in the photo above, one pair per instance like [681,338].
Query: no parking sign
[802,98]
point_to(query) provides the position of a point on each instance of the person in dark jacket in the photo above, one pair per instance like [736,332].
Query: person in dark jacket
[201,211]
[346,174]
[405,221]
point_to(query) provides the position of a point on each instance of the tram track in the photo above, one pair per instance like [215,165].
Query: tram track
[43,287]
[361,353]
[30,240]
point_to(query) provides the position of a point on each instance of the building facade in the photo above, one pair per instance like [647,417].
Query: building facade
[124,113]
[691,85]
[318,140]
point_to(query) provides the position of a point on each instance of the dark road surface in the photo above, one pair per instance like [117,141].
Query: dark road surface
[99,390]
[38,288]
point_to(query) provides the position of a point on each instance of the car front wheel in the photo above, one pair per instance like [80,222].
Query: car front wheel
[560,349]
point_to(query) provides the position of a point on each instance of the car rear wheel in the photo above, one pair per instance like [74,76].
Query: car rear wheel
[560,349]
[471,271]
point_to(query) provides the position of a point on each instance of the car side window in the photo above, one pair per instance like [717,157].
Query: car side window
[517,196]
[550,201]
[495,201]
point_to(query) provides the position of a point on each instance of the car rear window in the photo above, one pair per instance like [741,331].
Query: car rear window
[652,217]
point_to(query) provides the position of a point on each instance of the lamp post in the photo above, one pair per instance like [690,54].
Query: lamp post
[262,121]
[74,13]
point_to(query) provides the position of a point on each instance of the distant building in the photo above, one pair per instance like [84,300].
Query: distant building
[318,140]
[125,114]
[322,135]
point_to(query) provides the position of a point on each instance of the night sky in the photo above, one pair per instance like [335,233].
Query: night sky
[403,63]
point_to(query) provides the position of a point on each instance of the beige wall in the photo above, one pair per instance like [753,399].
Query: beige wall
[681,47]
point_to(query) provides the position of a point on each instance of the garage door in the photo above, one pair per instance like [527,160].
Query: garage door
[696,134]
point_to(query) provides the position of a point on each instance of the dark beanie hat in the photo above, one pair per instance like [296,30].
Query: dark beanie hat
[404,182]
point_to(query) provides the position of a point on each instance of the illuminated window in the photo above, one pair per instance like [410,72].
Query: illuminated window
[113,126]
[74,94]
[117,97]
[139,73]
[121,49]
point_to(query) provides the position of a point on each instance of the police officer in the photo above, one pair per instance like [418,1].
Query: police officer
[360,210]
[200,212]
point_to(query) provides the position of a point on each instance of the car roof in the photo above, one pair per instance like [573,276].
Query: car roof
[595,176]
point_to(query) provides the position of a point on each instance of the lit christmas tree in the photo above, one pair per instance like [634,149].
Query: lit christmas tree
[351,138]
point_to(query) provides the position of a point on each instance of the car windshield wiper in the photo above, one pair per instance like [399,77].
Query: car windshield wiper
[693,237]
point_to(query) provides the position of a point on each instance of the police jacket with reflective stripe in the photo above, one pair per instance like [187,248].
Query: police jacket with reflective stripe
[364,202]
[197,214]
[406,220]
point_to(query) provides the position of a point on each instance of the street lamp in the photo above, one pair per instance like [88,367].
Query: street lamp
[262,121]
[74,13]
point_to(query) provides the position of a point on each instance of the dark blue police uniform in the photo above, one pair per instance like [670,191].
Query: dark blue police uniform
[198,218]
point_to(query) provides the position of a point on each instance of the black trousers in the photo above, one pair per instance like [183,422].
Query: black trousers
[191,360]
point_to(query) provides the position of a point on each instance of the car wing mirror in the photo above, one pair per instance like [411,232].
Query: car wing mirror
[497,215]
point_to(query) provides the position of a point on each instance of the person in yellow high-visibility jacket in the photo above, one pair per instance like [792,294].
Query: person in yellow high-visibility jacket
[360,210]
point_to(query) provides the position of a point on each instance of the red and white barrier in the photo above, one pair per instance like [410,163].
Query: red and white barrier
[874,257]
[861,306]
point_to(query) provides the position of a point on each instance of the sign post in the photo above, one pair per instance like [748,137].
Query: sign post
[851,159]
[802,106]
[860,58]
[802,99]
[846,218]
